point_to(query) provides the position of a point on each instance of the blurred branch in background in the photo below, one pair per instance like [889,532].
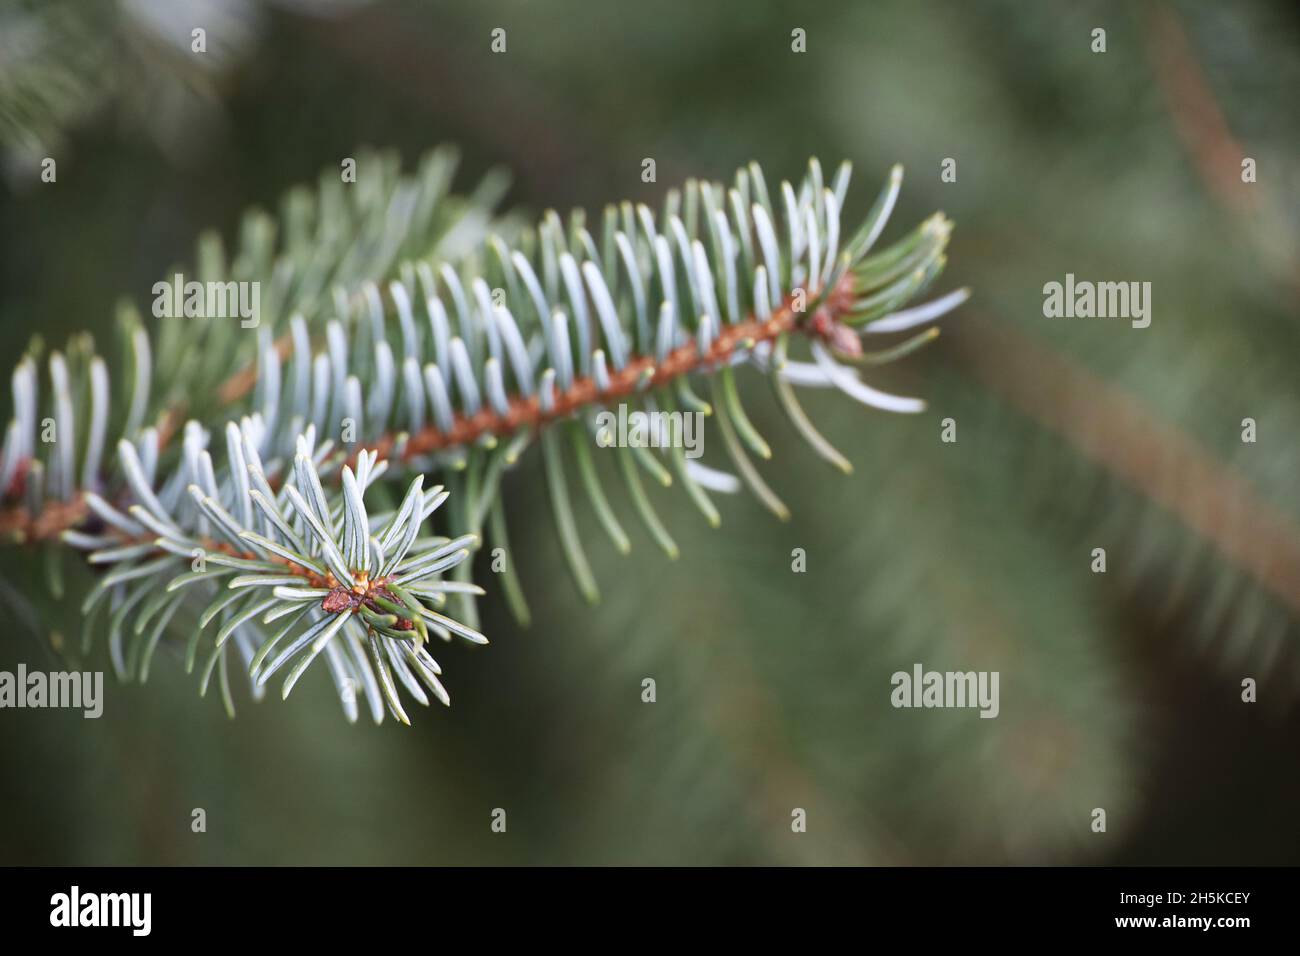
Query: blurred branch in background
[63,61]
[1153,457]
[1197,115]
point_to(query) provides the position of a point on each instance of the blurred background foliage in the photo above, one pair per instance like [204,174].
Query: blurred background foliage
[1119,690]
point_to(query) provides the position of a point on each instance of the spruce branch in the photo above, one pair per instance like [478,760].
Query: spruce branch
[407,334]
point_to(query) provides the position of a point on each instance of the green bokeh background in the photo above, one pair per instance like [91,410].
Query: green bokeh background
[1119,691]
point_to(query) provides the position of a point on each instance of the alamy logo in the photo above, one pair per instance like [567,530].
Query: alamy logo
[1099,300]
[208,300]
[76,689]
[923,688]
[103,909]
[640,429]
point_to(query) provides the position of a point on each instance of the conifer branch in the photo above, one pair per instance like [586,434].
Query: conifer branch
[441,347]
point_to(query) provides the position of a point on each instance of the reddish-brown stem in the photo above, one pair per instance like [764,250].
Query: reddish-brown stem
[641,372]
